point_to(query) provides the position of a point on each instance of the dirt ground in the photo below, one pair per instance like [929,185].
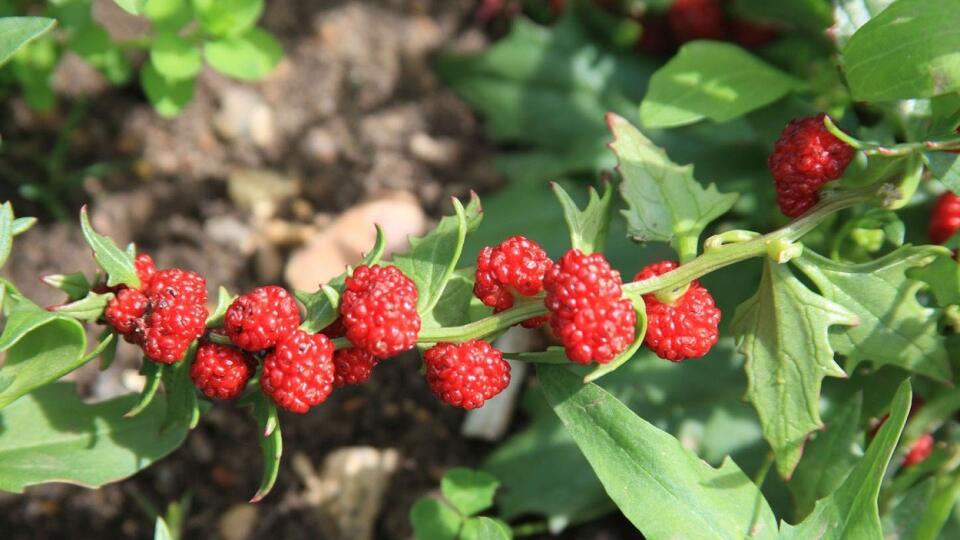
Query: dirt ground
[246,177]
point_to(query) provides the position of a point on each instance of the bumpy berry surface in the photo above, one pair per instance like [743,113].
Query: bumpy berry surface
[145,269]
[515,266]
[257,319]
[379,310]
[176,286]
[299,373]
[168,331]
[804,158]
[125,309]
[945,219]
[920,450]
[685,329]
[353,366]
[588,314]
[466,374]
[220,372]
[696,19]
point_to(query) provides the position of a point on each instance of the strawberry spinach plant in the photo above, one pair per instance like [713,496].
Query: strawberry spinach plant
[796,288]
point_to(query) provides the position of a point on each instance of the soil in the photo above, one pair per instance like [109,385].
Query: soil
[336,120]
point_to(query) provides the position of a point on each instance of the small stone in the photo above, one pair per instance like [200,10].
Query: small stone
[321,145]
[245,116]
[434,151]
[231,232]
[237,522]
[260,191]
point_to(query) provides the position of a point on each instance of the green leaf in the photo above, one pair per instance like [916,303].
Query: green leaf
[271,443]
[224,299]
[116,263]
[75,285]
[133,7]
[168,97]
[664,489]
[434,520]
[666,203]
[107,348]
[588,227]
[41,347]
[942,276]
[813,15]
[922,512]
[924,62]
[469,491]
[174,57]
[485,528]
[850,15]
[183,407]
[247,57]
[168,14]
[153,372]
[851,510]
[457,305]
[15,32]
[22,225]
[322,305]
[93,44]
[227,17]
[6,231]
[829,456]
[895,329]
[161,531]
[88,308]
[710,79]
[783,333]
[51,436]
[431,260]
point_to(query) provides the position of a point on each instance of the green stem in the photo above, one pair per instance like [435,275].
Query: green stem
[761,475]
[903,149]
[530,529]
[486,326]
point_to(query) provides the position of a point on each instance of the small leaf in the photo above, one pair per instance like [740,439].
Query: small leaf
[15,32]
[133,7]
[22,225]
[434,520]
[485,528]
[588,228]
[783,333]
[227,17]
[93,44]
[666,203]
[431,260]
[168,14]
[51,436]
[75,285]
[168,97]
[183,407]
[457,305]
[923,63]
[153,372]
[248,57]
[851,510]
[161,531]
[942,276]
[710,79]
[88,308]
[6,231]
[174,57]
[271,443]
[107,348]
[224,299]
[117,264]
[664,489]
[469,491]
[894,329]
[924,509]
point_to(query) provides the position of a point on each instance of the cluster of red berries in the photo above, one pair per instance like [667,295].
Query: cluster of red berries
[805,157]
[689,20]
[164,315]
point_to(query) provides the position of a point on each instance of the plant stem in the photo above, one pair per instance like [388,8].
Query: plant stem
[902,149]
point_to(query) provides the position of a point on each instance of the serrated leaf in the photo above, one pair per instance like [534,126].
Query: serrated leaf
[895,329]
[168,97]
[75,285]
[828,457]
[851,510]
[153,372]
[51,436]
[485,528]
[924,62]
[322,305]
[431,259]
[434,520]
[666,203]
[248,57]
[942,276]
[664,489]
[88,308]
[15,32]
[224,299]
[588,227]
[116,263]
[469,491]
[710,79]
[783,333]
[227,17]
[174,57]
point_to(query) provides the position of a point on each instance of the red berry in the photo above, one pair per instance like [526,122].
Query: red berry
[804,158]
[176,286]
[920,450]
[145,269]
[696,19]
[945,219]
[168,331]
[353,366]
[123,311]
[220,372]
[685,329]
[299,373]
[257,319]
[379,310]
[466,374]
[655,36]
[751,34]
[516,266]
[588,314]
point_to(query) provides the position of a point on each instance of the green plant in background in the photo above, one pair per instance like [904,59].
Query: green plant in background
[183,35]
[466,493]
